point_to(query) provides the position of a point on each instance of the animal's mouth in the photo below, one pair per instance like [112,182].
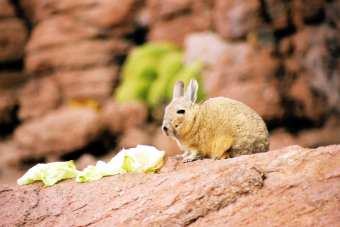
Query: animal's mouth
[168,132]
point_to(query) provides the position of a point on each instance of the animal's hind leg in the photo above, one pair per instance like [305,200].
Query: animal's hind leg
[221,148]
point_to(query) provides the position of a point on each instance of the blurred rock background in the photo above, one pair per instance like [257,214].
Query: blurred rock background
[59,58]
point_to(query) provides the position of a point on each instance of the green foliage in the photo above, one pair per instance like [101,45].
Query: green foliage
[151,71]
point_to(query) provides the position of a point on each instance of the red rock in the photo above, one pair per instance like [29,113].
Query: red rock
[94,83]
[313,71]
[11,156]
[10,83]
[165,143]
[111,12]
[280,138]
[38,10]
[59,30]
[167,8]
[184,25]
[11,80]
[303,10]
[85,160]
[38,97]
[77,55]
[206,47]
[58,132]
[235,19]
[122,117]
[247,74]
[184,17]
[288,187]
[6,9]
[8,100]
[306,104]
[278,13]
[13,35]
[135,114]
[332,13]
[111,117]
[328,134]
[133,137]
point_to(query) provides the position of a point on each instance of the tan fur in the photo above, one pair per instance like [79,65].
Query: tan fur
[218,128]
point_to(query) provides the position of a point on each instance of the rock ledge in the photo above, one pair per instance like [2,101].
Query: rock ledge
[288,187]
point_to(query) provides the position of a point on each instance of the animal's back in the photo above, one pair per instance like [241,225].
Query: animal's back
[248,130]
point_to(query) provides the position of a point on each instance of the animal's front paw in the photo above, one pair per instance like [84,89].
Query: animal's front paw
[182,156]
[191,158]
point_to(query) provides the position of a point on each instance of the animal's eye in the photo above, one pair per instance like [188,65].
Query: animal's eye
[181,111]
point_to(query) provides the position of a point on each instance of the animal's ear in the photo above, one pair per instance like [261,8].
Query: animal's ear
[191,92]
[178,89]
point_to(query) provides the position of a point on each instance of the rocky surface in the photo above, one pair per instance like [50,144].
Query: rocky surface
[38,97]
[235,19]
[10,84]
[13,33]
[184,17]
[59,132]
[122,117]
[95,83]
[291,187]
[247,74]
[279,57]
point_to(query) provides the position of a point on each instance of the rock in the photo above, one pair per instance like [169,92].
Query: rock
[86,53]
[11,79]
[135,114]
[59,30]
[332,13]
[312,71]
[111,12]
[10,84]
[305,104]
[235,19]
[165,143]
[278,13]
[10,154]
[280,138]
[133,137]
[206,47]
[12,161]
[38,97]
[6,9]
[328,134]
[251,190]
[167,8]
[111,117]
[240,74]
[306,11]
[94,83]
[184,17]
[121,117]
[13,35]
[282,14]
[8,100]
[163,30]
[58,132]
[85,160]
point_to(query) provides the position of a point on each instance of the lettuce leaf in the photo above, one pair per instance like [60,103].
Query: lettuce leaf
[141,159]
[49,173]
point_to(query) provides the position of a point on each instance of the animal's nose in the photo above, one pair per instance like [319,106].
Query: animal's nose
[165,129]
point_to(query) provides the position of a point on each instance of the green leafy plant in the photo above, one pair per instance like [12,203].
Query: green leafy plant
[150,72]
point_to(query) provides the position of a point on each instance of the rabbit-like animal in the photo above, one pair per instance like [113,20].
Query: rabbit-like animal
[217,128]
